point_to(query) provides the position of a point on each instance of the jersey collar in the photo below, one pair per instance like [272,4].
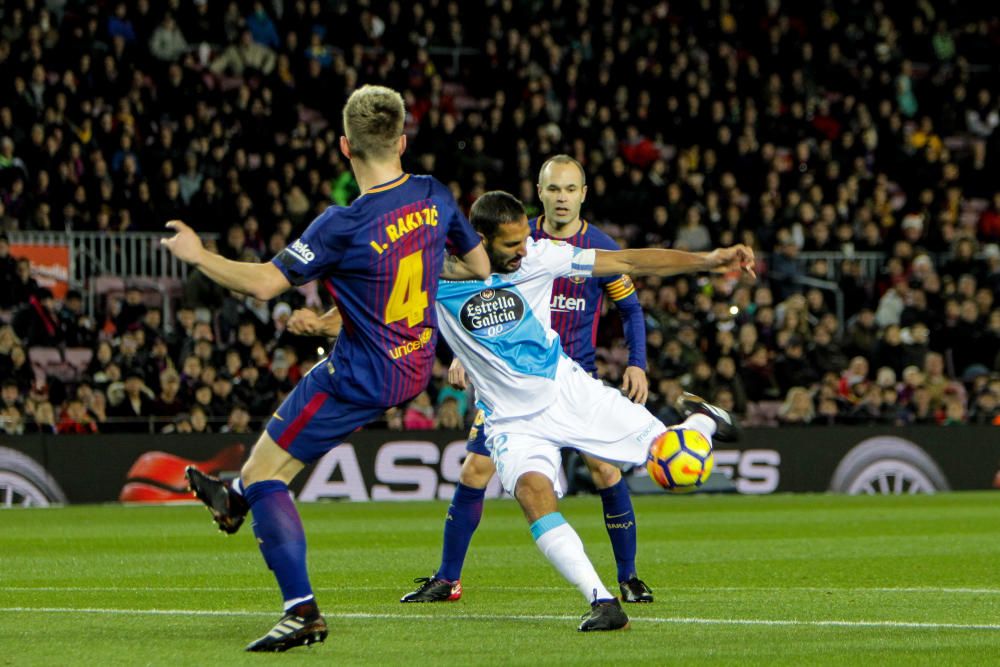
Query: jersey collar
[389,185]
[540,222]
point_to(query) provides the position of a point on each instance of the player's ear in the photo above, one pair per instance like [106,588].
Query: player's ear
[345,146]
[402,143]
[481,237]
[584,191]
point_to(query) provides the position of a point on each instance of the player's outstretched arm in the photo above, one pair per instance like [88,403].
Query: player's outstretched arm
[662,262]
[473,265]
[262,281]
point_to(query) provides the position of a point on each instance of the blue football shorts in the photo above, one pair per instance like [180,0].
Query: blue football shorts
[311,421]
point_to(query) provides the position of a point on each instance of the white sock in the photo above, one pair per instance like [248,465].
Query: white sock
[701,423]
[560,544]
[294,601]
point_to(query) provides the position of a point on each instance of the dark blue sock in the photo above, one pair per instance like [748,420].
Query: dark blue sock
[619,519]
[282,541]
[463,518]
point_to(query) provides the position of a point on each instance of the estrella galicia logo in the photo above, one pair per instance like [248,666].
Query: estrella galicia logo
[492,312]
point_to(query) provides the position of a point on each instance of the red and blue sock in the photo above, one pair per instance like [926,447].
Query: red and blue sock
[464,515]
[281,539]
[619,519]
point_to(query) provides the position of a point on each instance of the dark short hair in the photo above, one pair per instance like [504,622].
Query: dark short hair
[493,209]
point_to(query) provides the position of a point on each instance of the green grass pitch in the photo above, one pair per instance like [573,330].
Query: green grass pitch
[788,580]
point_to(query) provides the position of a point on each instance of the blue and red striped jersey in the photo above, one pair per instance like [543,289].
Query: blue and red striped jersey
[576,302]
[380,258]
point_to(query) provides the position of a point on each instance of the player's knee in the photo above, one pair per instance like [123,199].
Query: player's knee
[536,495]
[604,474]
[269,461]
[477,471]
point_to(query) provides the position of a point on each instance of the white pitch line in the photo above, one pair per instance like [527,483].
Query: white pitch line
[527,617]
[701,589]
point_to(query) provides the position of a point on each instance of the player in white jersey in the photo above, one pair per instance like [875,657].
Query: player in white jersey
[536,398]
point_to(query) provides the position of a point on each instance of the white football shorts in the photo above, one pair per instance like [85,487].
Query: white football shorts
[587,415]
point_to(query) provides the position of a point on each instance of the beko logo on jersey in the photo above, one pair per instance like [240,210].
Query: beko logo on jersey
[565,304]
[301,252]
[492,312]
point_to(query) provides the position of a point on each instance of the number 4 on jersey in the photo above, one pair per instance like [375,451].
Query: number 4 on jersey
[408,300]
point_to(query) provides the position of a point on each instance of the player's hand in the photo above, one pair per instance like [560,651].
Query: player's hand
[185,244]
[734,258]
[635,385]
[305,322]
[456,374]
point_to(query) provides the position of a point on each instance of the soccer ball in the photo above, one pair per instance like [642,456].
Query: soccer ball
[680,460]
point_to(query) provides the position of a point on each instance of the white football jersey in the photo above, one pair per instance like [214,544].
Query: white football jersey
[499,328]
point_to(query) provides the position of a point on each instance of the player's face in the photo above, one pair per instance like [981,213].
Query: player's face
[561,189]
[509,246]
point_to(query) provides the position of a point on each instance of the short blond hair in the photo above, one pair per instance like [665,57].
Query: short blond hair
[373,122]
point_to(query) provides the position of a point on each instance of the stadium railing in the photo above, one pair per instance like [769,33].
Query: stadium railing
[100,262]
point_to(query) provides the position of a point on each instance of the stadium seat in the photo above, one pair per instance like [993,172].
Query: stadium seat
[105,284]
[48,361]
[762,413]
[44,356]
[79,357]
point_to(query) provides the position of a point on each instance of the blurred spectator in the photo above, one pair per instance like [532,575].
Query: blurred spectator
[133,403]
[23,286]
[169,403]
[792,369]
[448,415]
[8,274]
[168,43]
[239,420]
[11,420]
[75,419]
[247,58]
[798,407]
[43,418]
[37,321]
[419,413]
[199,420]
[131,310]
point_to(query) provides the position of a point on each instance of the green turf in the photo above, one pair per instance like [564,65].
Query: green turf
[791,580]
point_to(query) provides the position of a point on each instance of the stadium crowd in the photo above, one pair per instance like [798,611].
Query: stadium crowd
[831,128]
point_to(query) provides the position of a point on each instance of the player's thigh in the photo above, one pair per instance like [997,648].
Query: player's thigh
[311,421]
[599,421]
[515,454]
[269,461]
